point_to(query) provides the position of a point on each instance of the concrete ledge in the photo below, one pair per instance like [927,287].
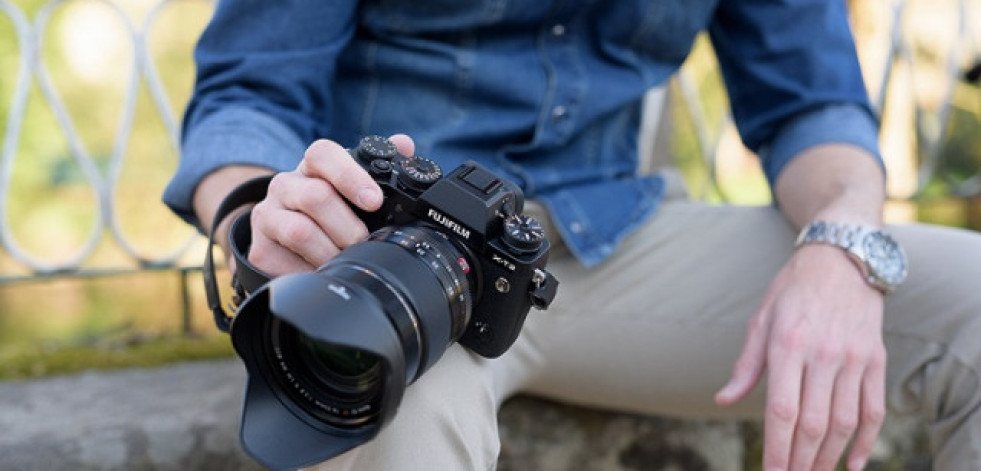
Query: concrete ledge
[185,417]
[179,417]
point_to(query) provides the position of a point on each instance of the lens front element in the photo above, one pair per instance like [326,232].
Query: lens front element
[338,385]
[357,368]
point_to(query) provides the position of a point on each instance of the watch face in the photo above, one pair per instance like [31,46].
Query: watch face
[886,260]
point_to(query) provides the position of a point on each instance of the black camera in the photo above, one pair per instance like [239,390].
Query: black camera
[330,353]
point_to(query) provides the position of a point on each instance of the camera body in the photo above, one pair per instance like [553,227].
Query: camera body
[481,213]
[330,353]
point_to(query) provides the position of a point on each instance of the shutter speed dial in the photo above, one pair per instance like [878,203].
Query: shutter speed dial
[418,173]
[523,233]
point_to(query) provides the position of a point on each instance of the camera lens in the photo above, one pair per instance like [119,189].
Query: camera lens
[357,369]
[339,344]
[337,385]
[351,372]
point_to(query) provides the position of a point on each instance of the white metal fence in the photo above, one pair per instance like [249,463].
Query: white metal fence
[104,180]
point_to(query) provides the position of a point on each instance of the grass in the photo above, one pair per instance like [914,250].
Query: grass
[131,352]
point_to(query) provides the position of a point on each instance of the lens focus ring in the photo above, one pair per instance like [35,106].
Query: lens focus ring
[446,262]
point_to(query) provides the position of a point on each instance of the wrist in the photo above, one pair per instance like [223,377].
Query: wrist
[832,182]
[847,215]
[879,258]
[214,187]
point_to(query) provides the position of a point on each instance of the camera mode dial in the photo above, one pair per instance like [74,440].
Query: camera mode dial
[376,147]
[418,173]
[523,233]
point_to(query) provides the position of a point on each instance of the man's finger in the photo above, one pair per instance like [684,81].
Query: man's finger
[319,201]
[844,418]
[404,144]
[870,420]
[815,411]
[286,241]
[268,256]
[749,367]
[783,401]
[329,161]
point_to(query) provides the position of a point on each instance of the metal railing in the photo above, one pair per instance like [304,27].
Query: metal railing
[929,122]
[31,70]
[103,180]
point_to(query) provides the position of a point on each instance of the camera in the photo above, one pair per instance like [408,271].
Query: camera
[451,258]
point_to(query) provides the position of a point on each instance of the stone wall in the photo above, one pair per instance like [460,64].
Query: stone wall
[185,417]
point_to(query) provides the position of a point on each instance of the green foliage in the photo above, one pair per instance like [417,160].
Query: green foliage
[37,361]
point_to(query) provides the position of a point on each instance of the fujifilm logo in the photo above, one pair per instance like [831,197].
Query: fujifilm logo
[449,223]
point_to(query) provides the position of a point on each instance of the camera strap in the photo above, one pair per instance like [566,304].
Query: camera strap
[247,277]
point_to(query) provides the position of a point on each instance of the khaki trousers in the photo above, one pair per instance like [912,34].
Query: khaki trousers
[655,330]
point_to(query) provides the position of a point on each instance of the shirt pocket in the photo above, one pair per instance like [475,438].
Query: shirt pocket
[433,16]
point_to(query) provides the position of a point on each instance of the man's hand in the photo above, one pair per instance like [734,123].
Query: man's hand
[819,328]
[819,332]
[306,218]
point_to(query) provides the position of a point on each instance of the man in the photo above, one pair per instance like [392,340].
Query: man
[667,305]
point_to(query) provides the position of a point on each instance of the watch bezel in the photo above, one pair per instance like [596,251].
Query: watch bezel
[884,258]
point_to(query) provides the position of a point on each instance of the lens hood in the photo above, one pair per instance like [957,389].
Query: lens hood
[278,429]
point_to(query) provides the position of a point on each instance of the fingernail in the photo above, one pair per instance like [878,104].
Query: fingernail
[857,464]
[369,198]
[725,394]
[729,388]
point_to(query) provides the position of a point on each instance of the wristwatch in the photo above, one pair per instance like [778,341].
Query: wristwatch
[882,261]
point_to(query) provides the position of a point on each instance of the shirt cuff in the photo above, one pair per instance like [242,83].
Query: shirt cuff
[231,136]
[840,123]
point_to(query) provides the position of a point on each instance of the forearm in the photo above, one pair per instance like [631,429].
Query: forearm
[240,114]
[833,182]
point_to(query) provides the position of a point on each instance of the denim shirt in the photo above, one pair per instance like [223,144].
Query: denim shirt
[547,93]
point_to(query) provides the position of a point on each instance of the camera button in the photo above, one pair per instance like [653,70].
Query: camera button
[380,167]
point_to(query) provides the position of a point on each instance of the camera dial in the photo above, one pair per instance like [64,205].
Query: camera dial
[418,173]
[523,234]
[376,147]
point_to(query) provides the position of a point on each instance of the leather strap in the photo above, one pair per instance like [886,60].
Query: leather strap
[246,278]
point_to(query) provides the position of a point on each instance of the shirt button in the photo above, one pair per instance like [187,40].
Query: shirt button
[559,112]
[558,30]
